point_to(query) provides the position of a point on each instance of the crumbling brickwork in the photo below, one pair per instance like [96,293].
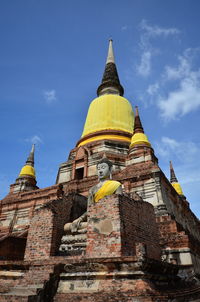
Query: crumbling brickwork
[46,229]
[116,224]
[139,226]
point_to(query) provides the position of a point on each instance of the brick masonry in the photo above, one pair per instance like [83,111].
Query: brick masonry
[117,224]
[46,229]
[121,238]
[118,227]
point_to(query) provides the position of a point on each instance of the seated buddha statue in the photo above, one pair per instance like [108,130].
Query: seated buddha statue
[105,187]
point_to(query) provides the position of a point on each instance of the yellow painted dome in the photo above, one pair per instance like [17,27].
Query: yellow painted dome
[178,188]
[109,112]
[139,138]
[27,170]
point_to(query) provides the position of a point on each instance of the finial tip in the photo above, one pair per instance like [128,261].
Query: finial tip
[136,111]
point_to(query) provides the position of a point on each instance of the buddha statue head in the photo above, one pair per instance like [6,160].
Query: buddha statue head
[104,168]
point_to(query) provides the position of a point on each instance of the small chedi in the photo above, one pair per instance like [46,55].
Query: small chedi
[112,228]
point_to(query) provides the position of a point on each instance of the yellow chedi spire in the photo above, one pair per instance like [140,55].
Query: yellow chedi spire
[26,181]
[110,115]
[174,181]
[139,137]
[28,168]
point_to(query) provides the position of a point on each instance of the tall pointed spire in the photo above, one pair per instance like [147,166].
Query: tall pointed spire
[172,174]
[139,137]
[30,159]
[174,181]
[110,57]
[110,83]
[138,125]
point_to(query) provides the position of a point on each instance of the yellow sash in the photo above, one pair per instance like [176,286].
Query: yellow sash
[108,188]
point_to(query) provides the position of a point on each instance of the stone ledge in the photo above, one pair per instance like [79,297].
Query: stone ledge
[10,274]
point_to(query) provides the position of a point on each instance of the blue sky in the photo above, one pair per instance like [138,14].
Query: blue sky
[52,57]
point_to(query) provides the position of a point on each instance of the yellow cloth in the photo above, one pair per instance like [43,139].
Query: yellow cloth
[108,188]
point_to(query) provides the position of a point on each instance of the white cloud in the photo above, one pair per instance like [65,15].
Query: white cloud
[182,70]
[34,140]
[50,96]
[144,68]
[186,97]
[147,50]
[184,151]
[152,89]
[156,30]
[181,101]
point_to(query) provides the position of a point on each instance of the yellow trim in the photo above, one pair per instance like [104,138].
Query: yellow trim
[139,138]
[178,188]
[109,111]
[100,137]
[108,188]
[27,170]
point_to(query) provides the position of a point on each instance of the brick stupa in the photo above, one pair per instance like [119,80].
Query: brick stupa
[141,246]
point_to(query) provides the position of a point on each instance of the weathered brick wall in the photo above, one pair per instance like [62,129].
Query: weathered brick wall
[88,281]
[19,279]
[139,290]
[16,210]
[104,228]
[139,227]
[179,208]
[46,229]
[40,274]
[172,235]
[111,297]
[117,224]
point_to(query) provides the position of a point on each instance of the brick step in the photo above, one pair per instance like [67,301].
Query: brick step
[24,291]
[11,298]
[11,274]
[9,279]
